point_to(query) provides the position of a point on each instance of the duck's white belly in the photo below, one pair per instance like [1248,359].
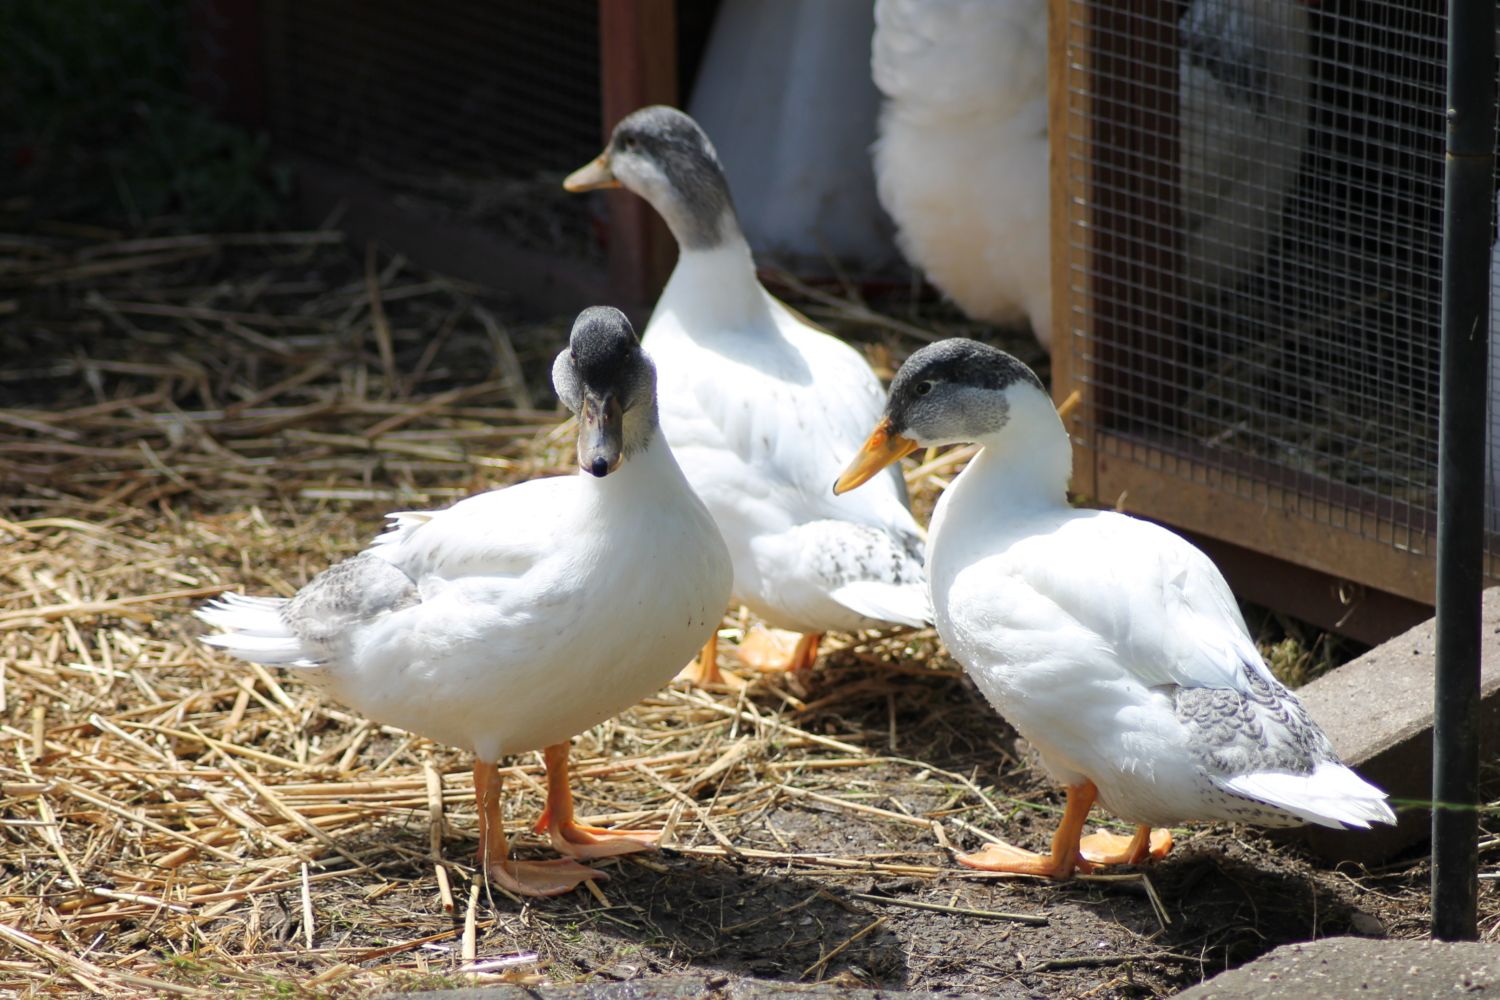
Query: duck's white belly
[1063,686]
[472,667]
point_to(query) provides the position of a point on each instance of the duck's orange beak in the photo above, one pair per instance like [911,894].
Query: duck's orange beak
[881,448]
[592,176]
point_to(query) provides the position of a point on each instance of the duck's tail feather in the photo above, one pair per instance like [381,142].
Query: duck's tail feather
[1332,795]
[254,629]
[899,604]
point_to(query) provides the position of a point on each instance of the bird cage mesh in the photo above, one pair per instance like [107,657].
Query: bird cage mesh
[1249,242]
[478,105]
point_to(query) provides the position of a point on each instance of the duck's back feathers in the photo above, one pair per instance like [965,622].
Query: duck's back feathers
[421,549]
[762,413]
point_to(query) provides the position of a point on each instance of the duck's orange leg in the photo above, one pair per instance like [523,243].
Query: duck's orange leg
[1114,849]
[806,653]
[524,878]
[570,837]
[704,672]
[1065,856]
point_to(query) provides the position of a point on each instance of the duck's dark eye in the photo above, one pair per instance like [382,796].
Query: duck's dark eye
[629,142]
[922,388]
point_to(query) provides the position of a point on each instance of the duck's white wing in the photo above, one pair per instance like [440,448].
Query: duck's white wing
[498,535]
[495,534]
[775,416]
[1150,596]
[838,409]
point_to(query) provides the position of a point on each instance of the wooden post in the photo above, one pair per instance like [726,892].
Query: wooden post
[1068,165]
[637,66]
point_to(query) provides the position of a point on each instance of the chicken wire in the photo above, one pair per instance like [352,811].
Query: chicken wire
[1255,287]
[478,106]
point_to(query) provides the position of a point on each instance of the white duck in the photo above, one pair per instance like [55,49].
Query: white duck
[518,618]
[1110,643]
[761,407]
[962,159]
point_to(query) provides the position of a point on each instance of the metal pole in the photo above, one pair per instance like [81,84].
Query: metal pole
[1468,186]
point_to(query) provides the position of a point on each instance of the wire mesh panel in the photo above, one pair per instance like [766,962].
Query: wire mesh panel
[1248,249]
[510,86]
[475,107]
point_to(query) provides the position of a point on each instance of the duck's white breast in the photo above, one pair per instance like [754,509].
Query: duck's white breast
[507,663]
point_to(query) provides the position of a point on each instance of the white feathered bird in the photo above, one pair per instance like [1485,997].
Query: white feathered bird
[761,408]
[1113,645]
[518,618]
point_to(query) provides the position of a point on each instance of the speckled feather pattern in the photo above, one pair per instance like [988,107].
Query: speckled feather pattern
[1263,728]
[877,555]
[346,595]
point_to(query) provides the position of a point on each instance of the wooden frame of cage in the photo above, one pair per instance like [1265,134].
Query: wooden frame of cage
[1330,554]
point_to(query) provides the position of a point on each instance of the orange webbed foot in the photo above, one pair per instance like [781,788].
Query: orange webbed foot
[1116,849]
[1019,861]
[572,838]
[586,842]
[1065,857]
[771,650]
[541,878]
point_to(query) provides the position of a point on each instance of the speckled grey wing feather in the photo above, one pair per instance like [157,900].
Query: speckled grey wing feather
[1263,728]
[874,573]
[347,593]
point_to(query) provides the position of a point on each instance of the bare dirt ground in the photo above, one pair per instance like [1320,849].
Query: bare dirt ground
[195,414]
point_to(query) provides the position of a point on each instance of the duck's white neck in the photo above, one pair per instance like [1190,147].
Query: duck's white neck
[649,466]
[1025,466]
[715,287]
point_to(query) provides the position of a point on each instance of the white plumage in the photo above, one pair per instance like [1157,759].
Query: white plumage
[961,162]
[511,621]
[761,407]
[518,618]
[1113,645]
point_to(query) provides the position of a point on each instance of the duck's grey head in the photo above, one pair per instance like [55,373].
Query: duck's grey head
[605,378]
[662,155]
[949,392]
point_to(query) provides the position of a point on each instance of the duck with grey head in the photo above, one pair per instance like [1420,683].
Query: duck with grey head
[518,618]
[761,407]
[1113,645]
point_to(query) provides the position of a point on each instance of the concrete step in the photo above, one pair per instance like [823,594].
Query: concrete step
[1346,968]
[1377,709]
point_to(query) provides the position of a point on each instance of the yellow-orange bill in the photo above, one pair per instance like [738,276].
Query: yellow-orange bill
[881,448]
[592,176]
[1070,404]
